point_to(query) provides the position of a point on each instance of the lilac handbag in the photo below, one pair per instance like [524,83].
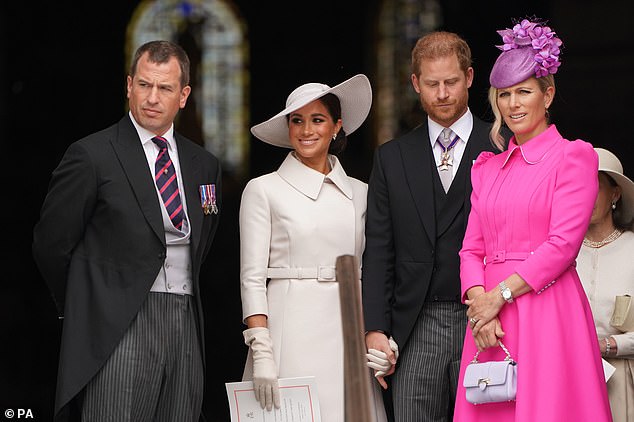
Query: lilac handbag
[491,382]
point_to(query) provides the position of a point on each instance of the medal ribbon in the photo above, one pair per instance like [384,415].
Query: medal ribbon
[451,145]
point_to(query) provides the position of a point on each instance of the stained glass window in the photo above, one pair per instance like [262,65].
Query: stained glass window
[400,24]
[213,35]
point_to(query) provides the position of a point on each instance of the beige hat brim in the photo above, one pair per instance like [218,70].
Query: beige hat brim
[355,96]
[610,164]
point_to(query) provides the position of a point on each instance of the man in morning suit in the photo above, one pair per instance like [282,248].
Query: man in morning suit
[129,217]
[418,205]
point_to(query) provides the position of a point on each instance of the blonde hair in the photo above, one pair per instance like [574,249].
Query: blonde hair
[496,129]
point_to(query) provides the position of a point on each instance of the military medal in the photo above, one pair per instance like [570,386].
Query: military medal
[446,160]
[208,199]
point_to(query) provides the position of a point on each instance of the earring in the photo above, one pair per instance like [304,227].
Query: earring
[547,114]
[613,206]
[334,136]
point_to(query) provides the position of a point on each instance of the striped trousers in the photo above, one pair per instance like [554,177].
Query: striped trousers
[426,377]
[156,372]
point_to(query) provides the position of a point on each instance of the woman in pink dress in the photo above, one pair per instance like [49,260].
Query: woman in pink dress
[531,206]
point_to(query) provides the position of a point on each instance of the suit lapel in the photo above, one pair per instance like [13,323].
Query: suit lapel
[415,153]
[129,151]
[190,167]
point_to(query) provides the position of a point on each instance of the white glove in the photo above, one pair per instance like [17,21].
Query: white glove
[265,385]
[378,361]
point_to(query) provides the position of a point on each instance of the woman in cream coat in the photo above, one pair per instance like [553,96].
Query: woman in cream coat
[606,270]
[294,223]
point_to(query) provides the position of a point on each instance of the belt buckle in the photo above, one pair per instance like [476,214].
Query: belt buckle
[499,256]
[325,273]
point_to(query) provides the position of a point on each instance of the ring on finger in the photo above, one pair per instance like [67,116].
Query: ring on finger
[473,321]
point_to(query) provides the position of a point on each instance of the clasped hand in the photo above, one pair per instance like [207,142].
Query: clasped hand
[382,355]
[482,313]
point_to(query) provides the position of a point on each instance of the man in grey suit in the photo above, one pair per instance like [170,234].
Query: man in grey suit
[418,205]
[129,217]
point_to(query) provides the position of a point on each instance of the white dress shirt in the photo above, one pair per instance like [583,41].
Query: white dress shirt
[462,127]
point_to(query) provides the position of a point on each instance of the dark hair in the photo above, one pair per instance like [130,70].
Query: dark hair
[618,218]
[162,52]
[332,103]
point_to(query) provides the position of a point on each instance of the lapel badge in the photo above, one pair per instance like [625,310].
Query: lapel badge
[208,198]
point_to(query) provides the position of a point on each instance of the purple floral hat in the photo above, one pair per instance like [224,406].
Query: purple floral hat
[529,49]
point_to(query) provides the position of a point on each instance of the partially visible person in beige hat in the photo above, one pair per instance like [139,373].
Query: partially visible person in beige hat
[294,223]
[606,268]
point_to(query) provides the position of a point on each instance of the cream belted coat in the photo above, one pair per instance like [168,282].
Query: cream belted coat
[294,223]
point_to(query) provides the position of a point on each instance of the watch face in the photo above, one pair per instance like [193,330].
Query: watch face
[506,294]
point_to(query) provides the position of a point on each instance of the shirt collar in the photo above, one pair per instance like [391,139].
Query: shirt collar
[309,181]
[461,127]
[536,149]
[146,136]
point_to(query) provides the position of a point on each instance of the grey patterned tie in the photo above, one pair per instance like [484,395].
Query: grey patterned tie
[447,141]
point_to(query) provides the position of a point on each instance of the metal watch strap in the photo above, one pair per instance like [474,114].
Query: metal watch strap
[506,292]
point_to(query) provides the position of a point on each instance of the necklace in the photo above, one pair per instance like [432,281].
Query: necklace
[611,238]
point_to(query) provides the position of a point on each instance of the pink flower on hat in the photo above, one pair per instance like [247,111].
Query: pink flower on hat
[542,39]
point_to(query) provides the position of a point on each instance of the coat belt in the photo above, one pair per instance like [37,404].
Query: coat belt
[321,273]
[502,255]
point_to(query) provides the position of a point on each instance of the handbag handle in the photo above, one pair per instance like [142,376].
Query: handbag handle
[507,358]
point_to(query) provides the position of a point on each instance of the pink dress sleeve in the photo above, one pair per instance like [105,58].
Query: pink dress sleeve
[575,193]
[473,252]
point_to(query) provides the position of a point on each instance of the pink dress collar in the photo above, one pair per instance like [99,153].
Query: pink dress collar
[536,149]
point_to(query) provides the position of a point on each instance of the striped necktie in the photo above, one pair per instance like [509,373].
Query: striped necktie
[167,183]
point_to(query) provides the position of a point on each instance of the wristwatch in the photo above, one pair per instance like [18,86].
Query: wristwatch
[506,292]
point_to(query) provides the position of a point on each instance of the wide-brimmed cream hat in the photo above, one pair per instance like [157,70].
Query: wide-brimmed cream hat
[355,96]
[609,163]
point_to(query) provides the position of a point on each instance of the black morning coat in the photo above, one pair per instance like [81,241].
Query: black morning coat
[100,242]
[401,226]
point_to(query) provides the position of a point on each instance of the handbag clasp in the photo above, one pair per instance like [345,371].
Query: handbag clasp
[483,382]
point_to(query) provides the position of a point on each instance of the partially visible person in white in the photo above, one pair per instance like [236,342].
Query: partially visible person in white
[606,268]
[294,223]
